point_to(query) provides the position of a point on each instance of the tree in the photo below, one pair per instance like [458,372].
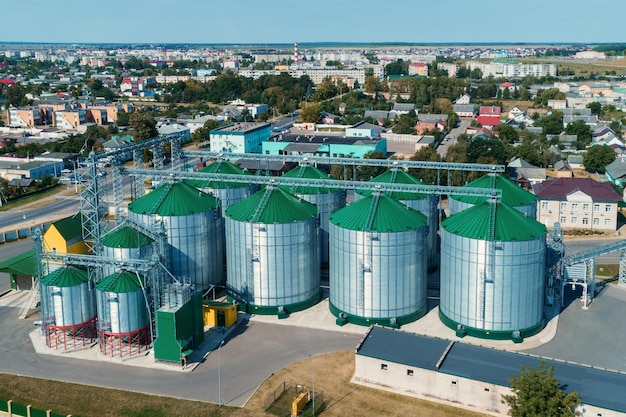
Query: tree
[598,157]
[596,108]
[549,94]
[481,147]
[582,131]
[537,393]
[203,134]
[507,133]
[15,96]
[143,125]
[366,172]
[553,123]
[310,112]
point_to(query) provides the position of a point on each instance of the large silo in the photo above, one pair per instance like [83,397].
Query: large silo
[327,200]
[68,308]
[123,324]
[273,252]
[194,231]
[492,272]
[125,243]
[377,262]
[424,203]
[229,193]
[512,195]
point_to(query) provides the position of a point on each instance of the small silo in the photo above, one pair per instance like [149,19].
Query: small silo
[125,243]
[327,200]
[378,266]
[68,308]
[512,195]
[492,272]
[229,193]
[123,324]
[272,252]
[424,203]
[194,231]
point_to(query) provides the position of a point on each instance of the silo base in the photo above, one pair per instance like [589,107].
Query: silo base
[516,335]
[71,337]
[394,322]
[281,311]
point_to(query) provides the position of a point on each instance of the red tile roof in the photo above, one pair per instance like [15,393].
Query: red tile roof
[488,120]
[560,188]
[489,110]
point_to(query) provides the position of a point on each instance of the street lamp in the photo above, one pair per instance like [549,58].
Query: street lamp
[219,375]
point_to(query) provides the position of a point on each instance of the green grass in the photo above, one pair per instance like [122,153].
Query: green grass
[31,198]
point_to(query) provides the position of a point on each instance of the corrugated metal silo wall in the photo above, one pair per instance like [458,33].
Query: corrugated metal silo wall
[327,204]
[196,246]
[377,275]
[428,207]
[69,306]
[455,206]
[273,264]
[142,252]
[121,312]
[514,298]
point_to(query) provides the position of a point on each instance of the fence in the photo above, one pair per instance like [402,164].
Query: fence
[11,409]
[279,402]
[18,234]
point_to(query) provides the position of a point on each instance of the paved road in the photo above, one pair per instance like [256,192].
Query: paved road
[442,149]
[252,353]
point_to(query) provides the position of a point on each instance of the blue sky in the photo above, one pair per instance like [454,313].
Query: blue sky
[286,21]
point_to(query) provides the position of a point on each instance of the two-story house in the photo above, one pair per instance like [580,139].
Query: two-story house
[577,203]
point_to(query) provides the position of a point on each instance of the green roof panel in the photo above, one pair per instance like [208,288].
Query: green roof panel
[125,237]
[120,282]
[397,176]
[309,172]
[270,206]
[512,195]
[70,227]
[219,167]
[174,199]
[510,224]
[378,213]
[69,276]
[22,264]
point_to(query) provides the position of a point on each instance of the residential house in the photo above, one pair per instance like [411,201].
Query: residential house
[557,104]
[489,115]
[525,174]
[418,68]
[563,169]
[401,108]
[471,376]
[575,161]
[465,111]
[577,203]
[174,128]
[464,99]
[424,127]
[616,171]
[436,118]
[364,129]
[606,136]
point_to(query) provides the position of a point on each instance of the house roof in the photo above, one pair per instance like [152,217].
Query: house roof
[562,165]
[617,168]
[595,386]
[432,118]
[488,120]
[560,188]
[70,227]
[464,108]
[520,163]
[489,110]
[22,264]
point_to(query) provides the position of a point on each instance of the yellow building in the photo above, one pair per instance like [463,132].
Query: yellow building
[65,236]
[219,314]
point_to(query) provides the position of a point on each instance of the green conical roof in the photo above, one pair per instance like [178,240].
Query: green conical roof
[510,224]
[174,199]
[120,282]
[278,206]
[310,172]
[378,213]
[125,237]
[512,195]
[220,167]
[69,276]
[398,176]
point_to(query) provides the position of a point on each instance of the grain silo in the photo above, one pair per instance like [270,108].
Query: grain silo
[193,226]
[68,308]
[273,253]
[492,272]
[377,262]
[123,324]
[229,193]
[327,200]
[512,195]
[125,243]
[424,203]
